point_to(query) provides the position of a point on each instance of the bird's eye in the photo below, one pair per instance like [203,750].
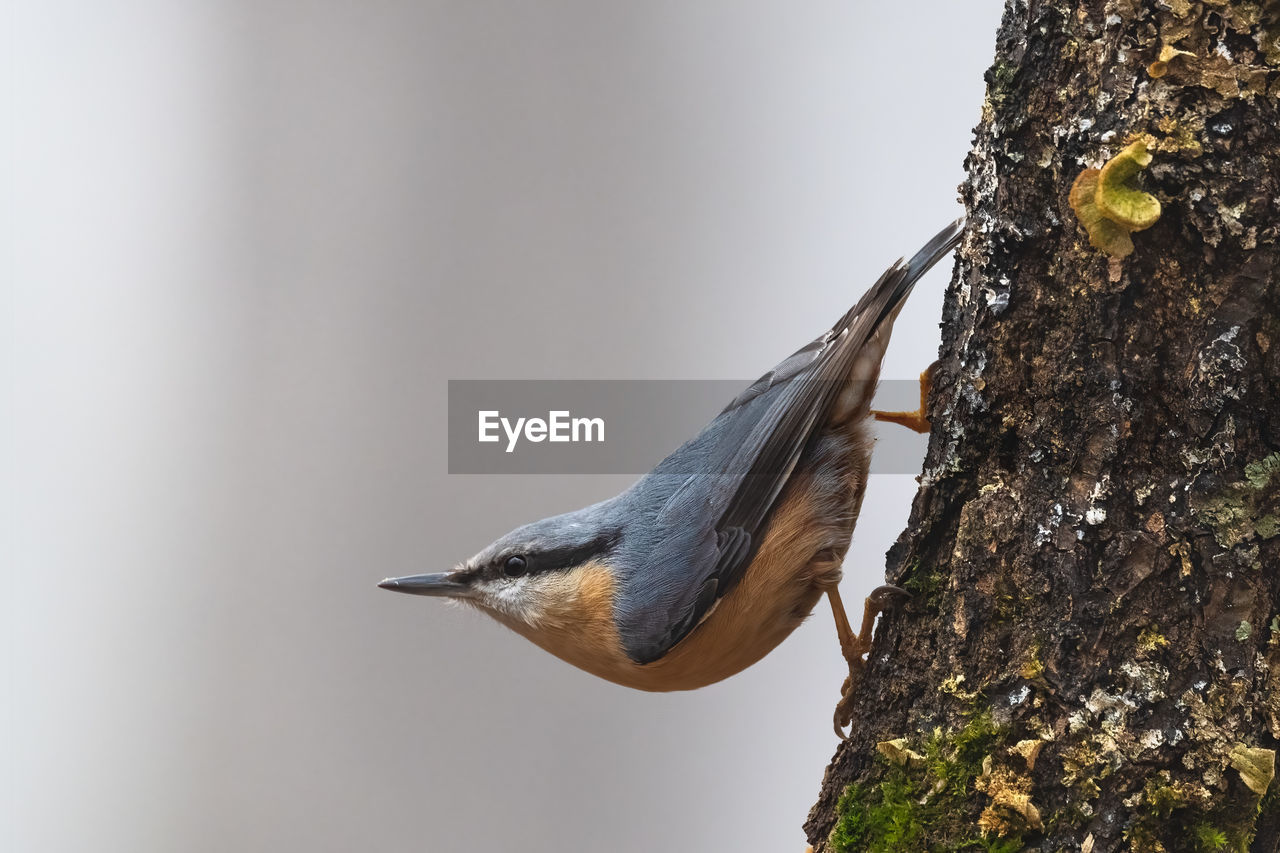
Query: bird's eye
[515,566]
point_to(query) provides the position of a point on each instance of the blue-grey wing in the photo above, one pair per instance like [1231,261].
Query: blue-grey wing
[712,499]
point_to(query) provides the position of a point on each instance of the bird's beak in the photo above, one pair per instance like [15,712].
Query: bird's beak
[442,584]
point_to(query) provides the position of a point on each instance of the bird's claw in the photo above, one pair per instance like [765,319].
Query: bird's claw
[881,598]
[844,708]
[885,596]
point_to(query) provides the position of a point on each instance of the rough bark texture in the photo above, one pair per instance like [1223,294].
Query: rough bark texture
[1091,657]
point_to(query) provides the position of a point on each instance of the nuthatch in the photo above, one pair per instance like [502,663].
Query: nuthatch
[715,556]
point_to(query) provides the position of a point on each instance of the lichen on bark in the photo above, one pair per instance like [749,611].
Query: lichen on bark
[1094,552]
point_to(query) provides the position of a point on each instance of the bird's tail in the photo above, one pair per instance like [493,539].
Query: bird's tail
[905,274]
[869,324]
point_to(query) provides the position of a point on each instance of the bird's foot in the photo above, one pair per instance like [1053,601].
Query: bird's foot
[919,419]
[855,649]
[844,708]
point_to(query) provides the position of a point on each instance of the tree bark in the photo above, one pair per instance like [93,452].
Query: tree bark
[1090,659]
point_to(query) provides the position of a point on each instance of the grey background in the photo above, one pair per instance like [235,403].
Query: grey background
[247,243]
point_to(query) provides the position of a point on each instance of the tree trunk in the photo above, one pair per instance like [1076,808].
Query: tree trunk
[1091,656]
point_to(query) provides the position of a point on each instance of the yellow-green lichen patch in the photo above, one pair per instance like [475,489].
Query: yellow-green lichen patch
[1029,750]
[1032,666]
[1246,509]
[1268,41]
[951,684]
[1260,474]
[1165,802]
[897,752]
[1117,198]
[1256,766]
[1162,795]
[1011,811]
[1108,204]
[1150,639]
[1104,234]
[1168,53]
[1210,62]
[1182,134]
[1231,79]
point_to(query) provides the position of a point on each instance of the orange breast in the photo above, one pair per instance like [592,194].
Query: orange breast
[777,591]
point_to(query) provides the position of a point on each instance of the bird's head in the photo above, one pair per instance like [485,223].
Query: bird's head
[537,576]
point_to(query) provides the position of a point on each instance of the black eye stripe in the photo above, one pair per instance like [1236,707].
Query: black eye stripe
[554,559]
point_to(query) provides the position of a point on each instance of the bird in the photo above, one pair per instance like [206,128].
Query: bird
[709,561]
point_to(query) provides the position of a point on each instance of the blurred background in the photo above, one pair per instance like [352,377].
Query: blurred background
[247,243]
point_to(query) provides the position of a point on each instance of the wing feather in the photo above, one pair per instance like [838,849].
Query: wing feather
[812,377]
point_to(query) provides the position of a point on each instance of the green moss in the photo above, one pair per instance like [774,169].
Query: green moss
[922,805]
[886,819]
[1000,79]
[1002,74]
[925,585]
[973,742]
[1208,838]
